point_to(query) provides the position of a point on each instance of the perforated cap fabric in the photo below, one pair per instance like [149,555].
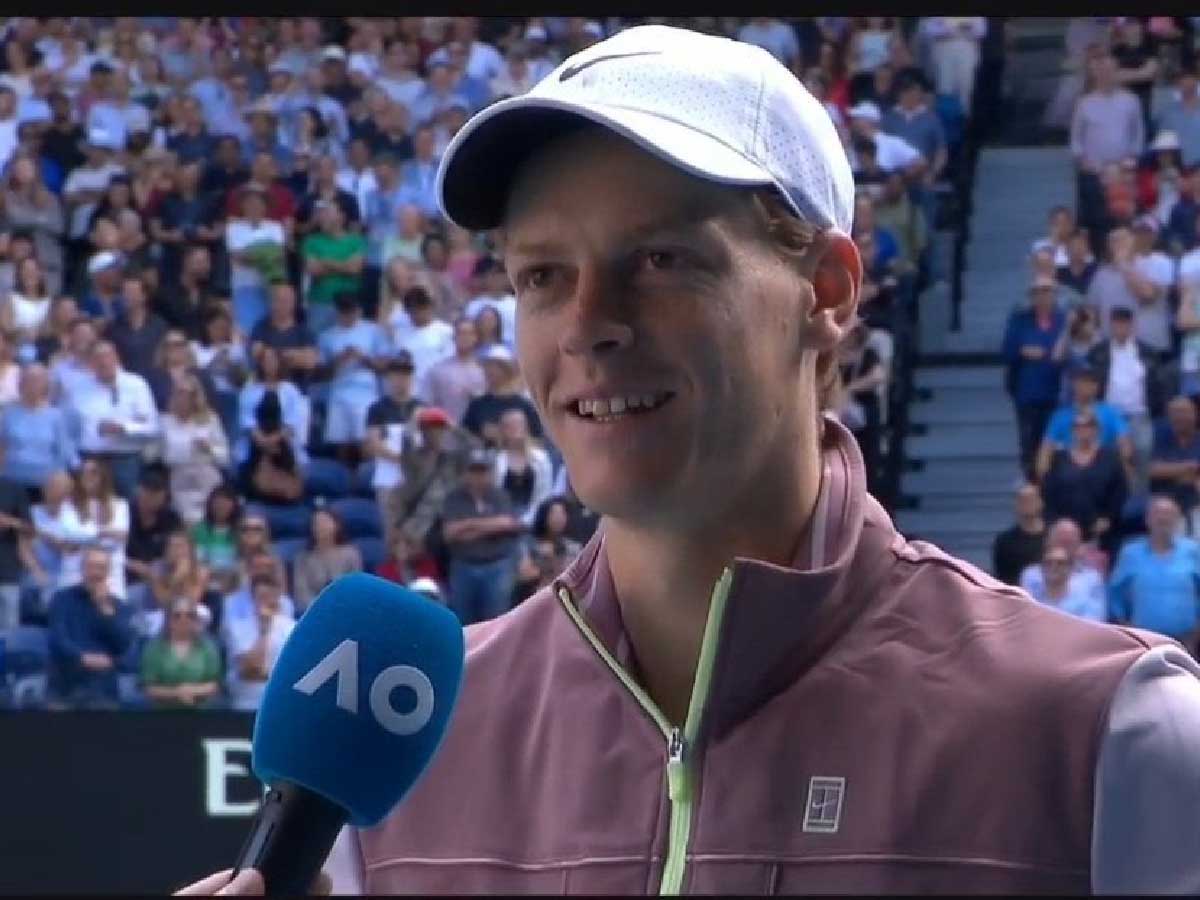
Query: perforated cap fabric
[719,109]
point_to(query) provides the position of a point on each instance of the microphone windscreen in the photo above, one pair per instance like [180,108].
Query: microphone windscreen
[360,697]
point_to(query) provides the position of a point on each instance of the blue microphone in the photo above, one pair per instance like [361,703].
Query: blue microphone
[353,712]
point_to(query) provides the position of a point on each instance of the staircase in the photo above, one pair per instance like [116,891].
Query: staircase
[962,446]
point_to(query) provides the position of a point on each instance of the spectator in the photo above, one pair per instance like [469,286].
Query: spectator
[912,120]
[117,417]
[892,154]
[774,36]
[103,516]
[185,300]
[333,258]
[57,538]
[175,364]
[1180,233]
[1087,483]
[1188,322]
[195,449]
[91,637]
[457,379]
[1075,343]
[258,562]
[863,374]
[10,373]
[427,339]
[253,646]
[1085,391]
[1033,374]
[271,472]
[226,171]
[383,209]
[151,521]
[85,186]
[435,258]
[35,435]
[280,330]
[357,178]
[518,76]
[178,574]
[102,296]
[16,551]
[1062,591]
[29,205]
[136,332]
[1175,460]
[214,536]
[1021,545]
[408,238]
[1160,177]
[326,189]
[55,340]
[185,217]
[1107,127]
[1080,267]
[432,468]
[181,667]
[955,51]
[389,421]
[552,547]
[256,247]
[26,308]
[354,350]
[490,328]
[1156,582]
[523,470]
[268,379]
[1088,562]
[495,292]
[1133,382]
[192,142]
[1120,283]
[221,355]
[329,556]
[481,534]
[1157,274]
[503,393]
[1137,63]
[405,563]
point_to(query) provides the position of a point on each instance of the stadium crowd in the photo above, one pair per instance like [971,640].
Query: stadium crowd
[242,353]
[1103,358]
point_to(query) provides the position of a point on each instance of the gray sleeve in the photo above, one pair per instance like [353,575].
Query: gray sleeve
[1145,838]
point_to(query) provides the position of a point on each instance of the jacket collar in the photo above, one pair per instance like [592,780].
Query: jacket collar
[779,620]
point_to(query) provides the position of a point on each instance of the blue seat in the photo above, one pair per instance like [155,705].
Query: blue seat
[26,666]
[373,551]
[327,478]
[288,548]
[362,480]
[359,515]
[284,521]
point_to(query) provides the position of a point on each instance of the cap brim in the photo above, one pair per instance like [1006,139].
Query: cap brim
[479,164]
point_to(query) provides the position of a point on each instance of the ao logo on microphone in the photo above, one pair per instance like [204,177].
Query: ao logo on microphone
[342,663]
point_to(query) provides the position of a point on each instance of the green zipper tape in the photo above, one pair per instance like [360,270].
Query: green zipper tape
[679,776]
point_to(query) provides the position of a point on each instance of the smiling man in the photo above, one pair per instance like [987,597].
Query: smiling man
[748,682]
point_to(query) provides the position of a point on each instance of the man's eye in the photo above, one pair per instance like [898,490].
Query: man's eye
[535,278]
[661,259]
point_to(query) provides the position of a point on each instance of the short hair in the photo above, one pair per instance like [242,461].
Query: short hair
[258,581]
[416,295]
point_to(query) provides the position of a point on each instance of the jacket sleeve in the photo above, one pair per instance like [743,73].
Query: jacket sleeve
[1144,835]
[1012,340]
[61,618]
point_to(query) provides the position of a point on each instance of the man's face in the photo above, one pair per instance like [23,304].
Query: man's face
[1162,518]
[151,498]
[104,359]
[1029,502]
[477,479]
[423,143]
[262,169]
[399,384]
[666,291]
[283,300]
[95,568]
[1066,534]
[1120,328]
[1181,413]
[133,292]
[199,263]
[8,102]
[1085,389]
[496,374]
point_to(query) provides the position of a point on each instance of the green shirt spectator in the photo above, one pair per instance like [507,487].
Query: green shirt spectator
[333,257]
[181,667]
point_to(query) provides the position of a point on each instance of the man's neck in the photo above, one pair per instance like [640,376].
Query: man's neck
[1162,544]
[664,576]
[1035,525]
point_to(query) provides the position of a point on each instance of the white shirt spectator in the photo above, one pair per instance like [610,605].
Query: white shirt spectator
[68,378]
[894,152]
[240,635]
[8,138]
[774,36]
[359,184]
[87,178]
[119,120]
[543,479]
[428,344]
[127,402]
[1154,319]
[1084,582]
[242,233]
[1126,388]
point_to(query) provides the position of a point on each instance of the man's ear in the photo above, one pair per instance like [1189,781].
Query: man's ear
[836,281]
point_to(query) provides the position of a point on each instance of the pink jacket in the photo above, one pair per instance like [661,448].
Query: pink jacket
[879,718]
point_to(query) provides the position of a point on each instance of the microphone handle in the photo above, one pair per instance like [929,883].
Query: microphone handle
[291,837]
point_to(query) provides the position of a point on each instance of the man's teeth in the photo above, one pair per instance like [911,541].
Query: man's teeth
[615,406]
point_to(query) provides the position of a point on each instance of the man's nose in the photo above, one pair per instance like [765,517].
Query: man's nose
[600,322]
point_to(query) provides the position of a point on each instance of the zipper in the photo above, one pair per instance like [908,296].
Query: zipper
[680,772]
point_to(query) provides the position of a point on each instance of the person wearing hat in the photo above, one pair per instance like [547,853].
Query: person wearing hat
[481,530]
[912,120]
[504,391]
[83,190]
[1032,373]
[1160,175]
[891,153]
[1180,119]
[748,681]
[388,423]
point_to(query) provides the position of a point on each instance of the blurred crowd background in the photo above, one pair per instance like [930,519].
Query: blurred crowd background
[242,353]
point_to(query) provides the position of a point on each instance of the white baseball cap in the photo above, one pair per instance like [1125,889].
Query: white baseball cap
[865,110]
[719,109]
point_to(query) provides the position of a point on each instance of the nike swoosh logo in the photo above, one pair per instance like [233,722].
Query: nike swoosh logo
[569,73]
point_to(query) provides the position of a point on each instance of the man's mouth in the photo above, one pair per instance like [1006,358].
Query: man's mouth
[613,408]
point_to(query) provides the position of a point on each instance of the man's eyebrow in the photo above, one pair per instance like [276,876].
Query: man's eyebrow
[687,221]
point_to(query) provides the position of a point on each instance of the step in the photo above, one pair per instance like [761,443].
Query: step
[946,522]
[998,442]
[955,478]
[964,407]
[992,503]
[960,376]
